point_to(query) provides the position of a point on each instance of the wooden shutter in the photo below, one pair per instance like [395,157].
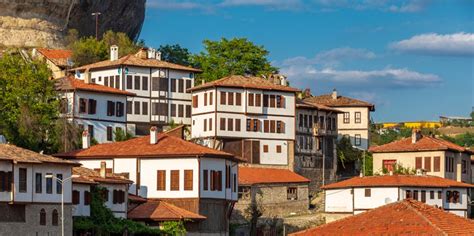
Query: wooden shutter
[272,101]
[3,182]
[230,124]
[278,148]
[87,198]
[9,181]
[161,180]
[258,100]
[212,180]
[265,100]
[247,153]
[238,99]
[205,99]
[188,179]
[206,179]
[180,110]
[251,124]
[188,85]
[75,197]
[282,127]
[237,124]
[211,98]
[227,176]
[428,164]
[265,148]
[418,164]
[22,180]
[230,97]
[129,83]
[436,164]
[114,197]
[219,180]
[222,124]
[250,99]
[266,126]
[181,86]
[175,180]
[256,152]
[223,98]
[272,126]
[195,101]
[282,102]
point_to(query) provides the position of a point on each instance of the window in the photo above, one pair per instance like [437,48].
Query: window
[110,108]
[418,162]
[106,81]
[358,117]
[423,196]
[75,197]
[291,193]
[265,100]
[280,125]
[436,164]
[205,125]
[188,85]
[205,174]
[272,126]
[180,110]
[389,164]
[38,182]
[456,197]
[160,108]
[109,133]
[408,194]
[163,85]
[180,86]
[346,117]
[222,124]
[368,192]
[440,194]
[300,120]
[216,180]
[432,195]
[173,85]
[265,148]
[144,108]
[266,126]
[174,180]
[428,164]
[117,82]
[237,124]
[82,105]
[129,107]
[92,106]
[223,98]
[137,83]
[55,217]
[280,101]
[111,82]
[59,186]
[230,97]
[234,184]
[258,100]
[230,124]
[251,99]
[137,107]
[188,179]
[244,192]
[120,109]
[464,166]
[144,83]
[278,148]
[87,198]
[210,124]
[49,184]
[205,99]
[42,217]
[248,124]
[195,101]
[415,194]
[173,110]
[238,99]
[129,82]
[272,101]
[161,180]
[210,98]
[188,111]
[22,180]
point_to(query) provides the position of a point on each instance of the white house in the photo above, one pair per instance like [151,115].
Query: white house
[360,194]
[354,121]
[167,168]
[250,117]
[160,87]
[115,191]
[96,108]
[30,203]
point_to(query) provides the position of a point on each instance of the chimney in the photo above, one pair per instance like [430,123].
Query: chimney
[86,139]
[113,52]
[87,76]
[415,136]
[458,172]
[142,53]
[151,53]
[307,93]
[334,94]
[158,56]
[103,169]
[153,135]
[283,80]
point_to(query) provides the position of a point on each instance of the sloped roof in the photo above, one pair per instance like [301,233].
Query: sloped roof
[396,181]
[167,147]
[133,60]
[71,83]
[156,210]
[341,101]
[407,217]
[56,56]
[254,175]
[425,143]
[310,105]
[11,152]
[249,82]
[87,175]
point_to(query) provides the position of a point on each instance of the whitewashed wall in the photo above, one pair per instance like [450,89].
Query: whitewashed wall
[379,197]
[338,200]
[81,209]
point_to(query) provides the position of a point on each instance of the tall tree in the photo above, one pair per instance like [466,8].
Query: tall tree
[175,54]
[28,103]
[237,56]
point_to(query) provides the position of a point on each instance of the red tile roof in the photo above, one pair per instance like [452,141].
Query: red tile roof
[240,81]
[407,217]
[136,198]
[155,210]
[70,83]
[311,105]
[341,101]
[167,147]
[10,152]
[397,180]
[133,60]
[57,56]
[253,175]
[425,143]
[89,176]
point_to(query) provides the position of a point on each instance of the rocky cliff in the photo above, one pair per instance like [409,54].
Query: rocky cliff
[44,23]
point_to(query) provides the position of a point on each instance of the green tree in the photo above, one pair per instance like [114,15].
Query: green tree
[237,56]
[346,152]
[28,103]
[125,44]
[175,54]
[122,135]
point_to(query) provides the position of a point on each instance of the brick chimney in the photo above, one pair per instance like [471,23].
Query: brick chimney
[113,52]
[153,135]
[86,139]
[415,136]
[334,94]
[103,169]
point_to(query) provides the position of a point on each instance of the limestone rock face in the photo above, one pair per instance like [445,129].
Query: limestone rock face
[44,23]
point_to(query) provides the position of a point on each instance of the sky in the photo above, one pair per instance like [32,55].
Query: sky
[413,59]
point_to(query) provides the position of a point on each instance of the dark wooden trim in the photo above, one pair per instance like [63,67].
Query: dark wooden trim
[244,138]
[101,120]
[242,113]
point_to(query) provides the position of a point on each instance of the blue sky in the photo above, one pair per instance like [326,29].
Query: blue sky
[413,59]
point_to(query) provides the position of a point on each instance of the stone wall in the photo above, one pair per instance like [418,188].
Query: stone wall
[31,224]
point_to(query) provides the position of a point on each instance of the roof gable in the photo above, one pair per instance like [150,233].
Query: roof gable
[58,57]
[89,176]
[248,82]
[253,175]
[425,143]
[341,101]
[161,211]
[14,153]
[71,83]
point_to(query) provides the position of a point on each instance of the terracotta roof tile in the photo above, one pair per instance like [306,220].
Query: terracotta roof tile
[253,175]
[135,198]
[161,211]
[341,101]
[240,81]
[397,180]
[92,176]
[407,217]
[311,105]
[57,56]
[133,60]
[167,147]
[425,143]
[70,83]
[14,153]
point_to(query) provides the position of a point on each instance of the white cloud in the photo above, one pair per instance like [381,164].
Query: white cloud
[404,6]
[332,57]
[458,44]
[177,5]
[274,4]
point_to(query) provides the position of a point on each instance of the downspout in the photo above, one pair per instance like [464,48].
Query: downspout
[12,184]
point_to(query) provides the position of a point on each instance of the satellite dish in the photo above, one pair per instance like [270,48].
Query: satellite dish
[126,70]
[78,74]
[120,70]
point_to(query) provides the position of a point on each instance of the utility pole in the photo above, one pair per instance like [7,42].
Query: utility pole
[96,14]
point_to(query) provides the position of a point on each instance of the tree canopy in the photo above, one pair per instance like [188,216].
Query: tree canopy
[237,56]
[175,54]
